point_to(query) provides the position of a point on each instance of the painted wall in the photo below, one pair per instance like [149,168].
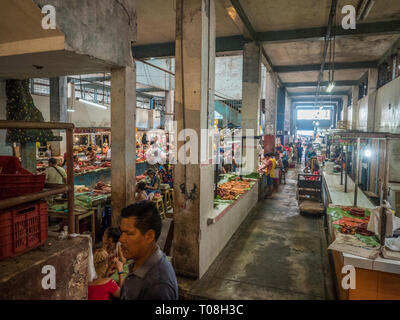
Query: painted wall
[151,76]
[88,116]
[350,114]
[362,114]
[228,76]
[387,115]
[215,237]
[387,110]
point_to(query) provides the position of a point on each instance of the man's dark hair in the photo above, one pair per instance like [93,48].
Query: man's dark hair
[141,185]
[113,233]
[150,171]
[147,217]
[53,161]
[89,149]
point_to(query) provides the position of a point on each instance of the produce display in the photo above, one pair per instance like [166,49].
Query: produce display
[233,189]
[353,221]
[106,164]
[101,188]
[140,156]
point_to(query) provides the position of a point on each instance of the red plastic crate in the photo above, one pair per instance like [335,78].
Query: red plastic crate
[22,228]
[16,181]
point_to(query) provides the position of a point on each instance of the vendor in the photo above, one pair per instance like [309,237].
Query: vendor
[154,185]
[48,151]
[91,154]
[54,173]
[108,156]
[221,162]
[140,191]
[105,149]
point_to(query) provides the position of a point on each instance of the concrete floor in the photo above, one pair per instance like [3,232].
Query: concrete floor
[275,254]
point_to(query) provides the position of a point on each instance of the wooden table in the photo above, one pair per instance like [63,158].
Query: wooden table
[78,216]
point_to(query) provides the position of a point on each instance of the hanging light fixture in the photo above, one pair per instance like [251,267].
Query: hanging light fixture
[330,87]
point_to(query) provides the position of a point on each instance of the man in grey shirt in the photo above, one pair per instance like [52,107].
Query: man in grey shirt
[151,276]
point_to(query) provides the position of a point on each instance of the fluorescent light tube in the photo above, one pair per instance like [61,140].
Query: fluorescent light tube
[330,87]
[93,104]
[70,110]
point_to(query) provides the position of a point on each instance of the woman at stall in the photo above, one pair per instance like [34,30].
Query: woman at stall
[140,191]
[154,185]
[91,154]
[105,149]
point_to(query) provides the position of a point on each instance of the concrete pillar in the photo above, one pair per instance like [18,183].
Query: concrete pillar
[345,105]
[251,95]
[151,119]
[4,149]
[28,156]
[193,183]
[123,129]
[372,86]
[271,90]
[169,109]
[288,105]
[271,103]
[58,112]
[293,120]
[354,103]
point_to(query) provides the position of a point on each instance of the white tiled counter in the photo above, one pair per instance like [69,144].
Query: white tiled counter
[375,278]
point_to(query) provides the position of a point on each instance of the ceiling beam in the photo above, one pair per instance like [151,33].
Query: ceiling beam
[312,94]
[157,50]
[150,90]
[340,83]
[236,43]
[319,101]
[327,66]
[251,34]
[374,28]
[88,79]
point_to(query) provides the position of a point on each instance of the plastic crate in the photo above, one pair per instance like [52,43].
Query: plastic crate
[16,181]
[22,228]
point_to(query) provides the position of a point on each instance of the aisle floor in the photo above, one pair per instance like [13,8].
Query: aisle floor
[275,254]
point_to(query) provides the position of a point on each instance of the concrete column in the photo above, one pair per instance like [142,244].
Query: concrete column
[345,105]
[271,90]
[251,95]
[293,121]
[4,149]
[123,129]
[288,105]
[271,103]
[372,86]
[28,156]
[58,111]
[354,103]
[193,183]
[151,119]
[169,109]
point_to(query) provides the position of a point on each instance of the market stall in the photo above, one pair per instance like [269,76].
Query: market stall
[361,234]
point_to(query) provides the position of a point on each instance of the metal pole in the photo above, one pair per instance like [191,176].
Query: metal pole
[356,171]
[385,192]
[346,168]
[70,182]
